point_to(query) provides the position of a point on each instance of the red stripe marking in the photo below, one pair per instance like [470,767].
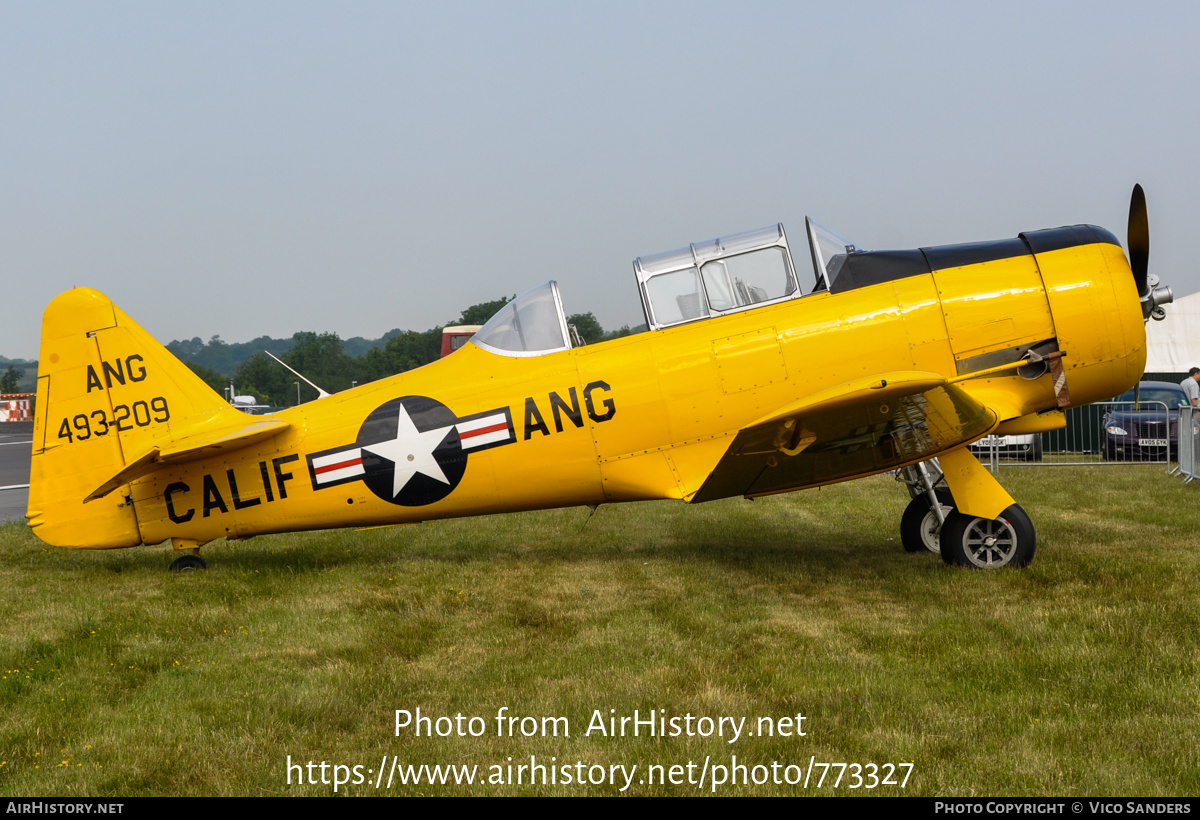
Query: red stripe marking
[479,431]
[354,462]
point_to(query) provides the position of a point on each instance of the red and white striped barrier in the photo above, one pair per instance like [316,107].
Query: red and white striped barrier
[16,407]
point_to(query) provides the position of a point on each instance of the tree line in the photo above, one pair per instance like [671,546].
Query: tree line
[10,382]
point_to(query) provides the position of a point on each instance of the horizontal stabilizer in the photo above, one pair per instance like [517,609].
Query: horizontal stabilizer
[191,446]
[858,428]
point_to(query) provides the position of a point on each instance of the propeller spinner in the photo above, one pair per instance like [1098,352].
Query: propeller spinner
[1138,241]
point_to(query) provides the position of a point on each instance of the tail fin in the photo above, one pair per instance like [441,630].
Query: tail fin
[110,399]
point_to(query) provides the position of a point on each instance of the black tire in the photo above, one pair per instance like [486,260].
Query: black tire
[919,525]
[1007,541]
[1035,451]
[187,563]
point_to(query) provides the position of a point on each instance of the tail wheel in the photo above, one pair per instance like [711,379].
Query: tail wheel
[187,563]
[980,543]
[919,526]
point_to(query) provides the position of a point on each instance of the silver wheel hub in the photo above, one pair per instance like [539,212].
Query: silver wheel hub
[989,544]
[931,528]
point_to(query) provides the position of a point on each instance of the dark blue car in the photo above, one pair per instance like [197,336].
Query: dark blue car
[1145,431]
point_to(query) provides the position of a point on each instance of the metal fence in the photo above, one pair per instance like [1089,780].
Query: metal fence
[1189,443]
[1105,433]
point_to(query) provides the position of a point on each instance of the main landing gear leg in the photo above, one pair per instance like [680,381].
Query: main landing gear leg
[987,530]
[926,513]
[187,563]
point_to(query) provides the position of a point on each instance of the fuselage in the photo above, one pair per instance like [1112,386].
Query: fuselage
[647,416]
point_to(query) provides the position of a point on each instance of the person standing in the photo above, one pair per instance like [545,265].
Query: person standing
[1191,386]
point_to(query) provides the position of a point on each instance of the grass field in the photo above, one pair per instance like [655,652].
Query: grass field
[1077,676]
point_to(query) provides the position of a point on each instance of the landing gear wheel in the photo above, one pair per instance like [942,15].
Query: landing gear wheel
[919,526]
[1007,541]
[187,563]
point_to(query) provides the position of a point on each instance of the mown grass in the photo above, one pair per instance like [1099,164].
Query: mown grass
[1076,676]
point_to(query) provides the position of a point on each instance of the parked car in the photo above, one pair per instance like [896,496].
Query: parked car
[1023,448]
[1147,430]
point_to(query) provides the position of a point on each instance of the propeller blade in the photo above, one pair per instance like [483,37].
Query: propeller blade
[1138,240]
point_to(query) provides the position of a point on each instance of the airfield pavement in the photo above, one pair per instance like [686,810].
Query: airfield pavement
[15,449]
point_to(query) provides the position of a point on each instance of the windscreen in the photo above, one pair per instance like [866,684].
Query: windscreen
[829,251]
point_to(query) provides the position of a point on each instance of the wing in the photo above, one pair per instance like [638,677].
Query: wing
[859,428]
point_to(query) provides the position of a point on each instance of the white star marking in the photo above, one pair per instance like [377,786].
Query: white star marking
[411,451]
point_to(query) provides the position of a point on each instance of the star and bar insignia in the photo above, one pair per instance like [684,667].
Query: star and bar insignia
[411,451]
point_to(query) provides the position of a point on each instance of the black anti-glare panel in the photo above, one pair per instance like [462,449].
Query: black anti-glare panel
[875,267]
[942,257]
[1055,239]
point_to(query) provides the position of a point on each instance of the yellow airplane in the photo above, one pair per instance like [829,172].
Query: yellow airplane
[747,383]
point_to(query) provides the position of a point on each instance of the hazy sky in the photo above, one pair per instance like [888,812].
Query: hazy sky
[249,168]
